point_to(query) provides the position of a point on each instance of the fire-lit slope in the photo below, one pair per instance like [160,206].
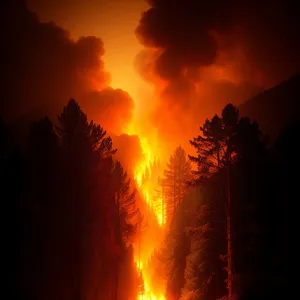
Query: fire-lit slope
[151,232]
[272,109]
[276,107]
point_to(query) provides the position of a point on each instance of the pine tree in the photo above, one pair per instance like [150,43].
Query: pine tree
[126,208]
[210,148]
[175,252]
[230,118]
[215,145]
[78,134]
[87,163]
[175,180]
[200,263]
[127,215]
[214,151]
[193,274]
[43,201]
[223,141]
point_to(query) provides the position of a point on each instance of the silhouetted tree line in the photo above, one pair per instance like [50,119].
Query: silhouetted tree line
[228,237]
[69,213]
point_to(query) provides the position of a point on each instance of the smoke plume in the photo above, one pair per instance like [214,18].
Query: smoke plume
[202,54]
[43,68]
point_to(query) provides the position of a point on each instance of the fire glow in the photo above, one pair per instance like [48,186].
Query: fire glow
[156,207]
[145,165]
[147,294]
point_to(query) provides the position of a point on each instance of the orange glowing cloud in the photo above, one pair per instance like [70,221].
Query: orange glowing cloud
[111,108]
[218,55]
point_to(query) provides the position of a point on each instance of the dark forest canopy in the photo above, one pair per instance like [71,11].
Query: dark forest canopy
[72,211]
[248,183]
[261,185]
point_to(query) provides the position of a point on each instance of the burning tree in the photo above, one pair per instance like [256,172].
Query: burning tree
[174,182]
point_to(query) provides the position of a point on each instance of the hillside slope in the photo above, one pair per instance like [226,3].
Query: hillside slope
[275,108]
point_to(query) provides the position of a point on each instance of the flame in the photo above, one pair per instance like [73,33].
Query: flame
[147,294]
[150,152]
[147,191]
[146,163]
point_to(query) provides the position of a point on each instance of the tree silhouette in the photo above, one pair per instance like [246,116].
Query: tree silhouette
[222,142]
[126,207]
[174,253]
[75,130]
[210,148]
[174,182]
[195,284]
[89,195]
[214,145]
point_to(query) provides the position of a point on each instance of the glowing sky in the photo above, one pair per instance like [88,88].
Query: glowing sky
[114,21]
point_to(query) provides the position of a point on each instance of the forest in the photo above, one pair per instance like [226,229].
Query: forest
[148,149]
[71,213]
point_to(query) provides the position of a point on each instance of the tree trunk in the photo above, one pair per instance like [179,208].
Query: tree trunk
[119,241]
[174,197]
[116,282]
[78,226]
[229,236]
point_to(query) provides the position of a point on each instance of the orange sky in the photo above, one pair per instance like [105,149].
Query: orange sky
[114,21]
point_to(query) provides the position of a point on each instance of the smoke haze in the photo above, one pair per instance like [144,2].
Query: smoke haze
[197,57]
[44,67]
[202,55]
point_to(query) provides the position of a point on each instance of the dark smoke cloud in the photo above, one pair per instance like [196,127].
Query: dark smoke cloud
[42,68]
[204,54]
[184,30]
[181,28]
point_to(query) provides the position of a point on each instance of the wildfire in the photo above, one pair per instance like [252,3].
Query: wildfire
[146,293]
[145,164]
[147,191]
[144,167]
